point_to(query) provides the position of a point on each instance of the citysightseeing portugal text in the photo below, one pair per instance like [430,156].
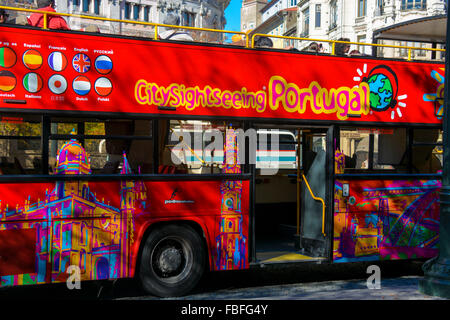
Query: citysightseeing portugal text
[227,309]
[342,101]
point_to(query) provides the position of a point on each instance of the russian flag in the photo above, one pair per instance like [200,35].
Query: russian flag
[103,86]
[81,85]
[32,82]
[103,64]
[57,61]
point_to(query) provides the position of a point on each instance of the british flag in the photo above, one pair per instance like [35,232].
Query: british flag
[81,63]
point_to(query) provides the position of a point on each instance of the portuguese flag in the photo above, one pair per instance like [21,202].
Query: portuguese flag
[7,57]
[7,80]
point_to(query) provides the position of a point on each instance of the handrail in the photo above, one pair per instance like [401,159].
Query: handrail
[190,149]
[333,43]
[156,25]
[318,199]
[246,35]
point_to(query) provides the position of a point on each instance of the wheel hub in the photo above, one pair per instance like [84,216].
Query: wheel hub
[169,260]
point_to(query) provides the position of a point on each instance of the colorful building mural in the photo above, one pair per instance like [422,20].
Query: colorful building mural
[231,242]
[74,227]
[97,226]
[383,220]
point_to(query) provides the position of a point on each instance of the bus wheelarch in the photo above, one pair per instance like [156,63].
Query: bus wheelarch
[172,260]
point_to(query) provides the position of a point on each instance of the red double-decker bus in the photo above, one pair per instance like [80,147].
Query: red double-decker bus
[89,177]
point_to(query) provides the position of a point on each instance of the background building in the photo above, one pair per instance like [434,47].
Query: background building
[358,19]
[334,19]
[194,13]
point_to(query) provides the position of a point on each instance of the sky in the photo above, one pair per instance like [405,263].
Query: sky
[233,16]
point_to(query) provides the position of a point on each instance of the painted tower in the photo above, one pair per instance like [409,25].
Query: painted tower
[133,197]
[231,243]
[72,159]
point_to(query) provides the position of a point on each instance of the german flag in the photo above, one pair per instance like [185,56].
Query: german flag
[32,59]
[8,57]
[7,81]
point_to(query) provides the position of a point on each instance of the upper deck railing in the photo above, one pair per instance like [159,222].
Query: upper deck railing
[249,38]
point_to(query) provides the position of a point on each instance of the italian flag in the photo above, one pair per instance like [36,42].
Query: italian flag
[32,82]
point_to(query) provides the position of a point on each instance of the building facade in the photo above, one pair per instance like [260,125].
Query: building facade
[277,17]
[193,13]
[357,20]
[334,19]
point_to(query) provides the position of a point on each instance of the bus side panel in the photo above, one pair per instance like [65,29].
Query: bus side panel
[97,226]
[23,234]
[386,220]
[220,208]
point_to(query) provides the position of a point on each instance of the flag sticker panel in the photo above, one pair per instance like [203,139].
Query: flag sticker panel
[81,85]
[103,64]
[8,81]
[32,59]
[32,82]
[103,86]
[57,61]
[81,63]
[8,57]
[57,84]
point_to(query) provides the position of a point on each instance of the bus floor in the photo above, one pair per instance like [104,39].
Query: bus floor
[278,246]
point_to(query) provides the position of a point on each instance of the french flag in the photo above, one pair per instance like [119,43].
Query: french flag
[81,85]
[103,86]
[103,64]
[57,61]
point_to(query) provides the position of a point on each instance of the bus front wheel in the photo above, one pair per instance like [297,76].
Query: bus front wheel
[172,261]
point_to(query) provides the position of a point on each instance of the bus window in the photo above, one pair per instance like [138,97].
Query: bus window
[106,142]
[391,150]
[20,144]
[374,149]
[192,146]
[427,154]
[276,149]
[354,143]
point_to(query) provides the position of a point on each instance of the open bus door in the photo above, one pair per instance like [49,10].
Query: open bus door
[292,204]
[315,187]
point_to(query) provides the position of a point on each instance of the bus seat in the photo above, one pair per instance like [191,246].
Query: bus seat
[111,167]
[165,169]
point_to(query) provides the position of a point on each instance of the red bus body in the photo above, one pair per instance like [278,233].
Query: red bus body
[99,225]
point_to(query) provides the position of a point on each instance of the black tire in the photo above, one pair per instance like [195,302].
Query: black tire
[172,261]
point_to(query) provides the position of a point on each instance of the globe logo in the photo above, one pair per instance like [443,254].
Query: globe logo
[381,92]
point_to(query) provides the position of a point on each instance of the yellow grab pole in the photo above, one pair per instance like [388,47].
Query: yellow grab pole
[45,21]
[156,32]
[299,180]
[319,199]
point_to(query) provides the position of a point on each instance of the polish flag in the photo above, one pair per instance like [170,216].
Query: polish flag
[103,86]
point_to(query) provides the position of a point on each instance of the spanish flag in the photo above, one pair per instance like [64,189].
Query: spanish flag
[8,57]
[32,59]
[7,80]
